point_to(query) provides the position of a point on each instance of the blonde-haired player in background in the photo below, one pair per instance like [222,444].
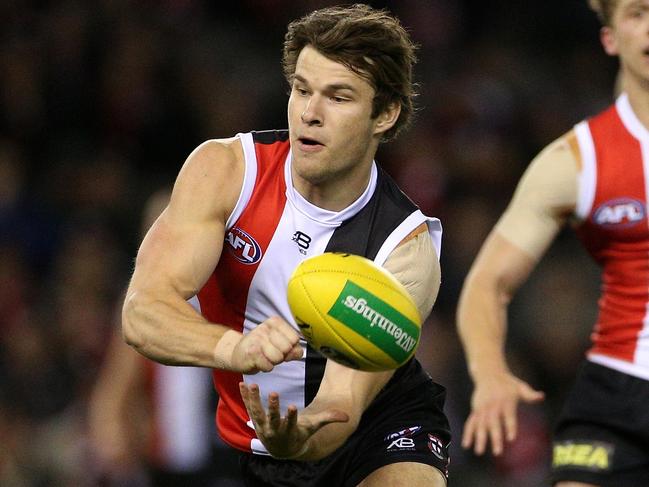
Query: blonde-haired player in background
[596,177]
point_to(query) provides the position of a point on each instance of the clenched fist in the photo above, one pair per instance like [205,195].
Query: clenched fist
[270,343]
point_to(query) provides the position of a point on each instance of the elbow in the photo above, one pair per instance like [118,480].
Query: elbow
[131,321]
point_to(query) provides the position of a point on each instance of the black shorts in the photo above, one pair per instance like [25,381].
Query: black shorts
[399,426]
[602,435]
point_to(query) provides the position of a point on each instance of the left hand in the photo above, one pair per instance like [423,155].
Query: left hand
[285,437]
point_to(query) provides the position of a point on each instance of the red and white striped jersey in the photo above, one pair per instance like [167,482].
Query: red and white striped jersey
[612,203]
[271,230]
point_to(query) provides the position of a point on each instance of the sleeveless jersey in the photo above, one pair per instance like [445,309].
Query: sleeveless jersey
[271,230]
[612,204]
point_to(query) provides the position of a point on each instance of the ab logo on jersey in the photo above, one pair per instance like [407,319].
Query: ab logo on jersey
[242,246]
[620,213]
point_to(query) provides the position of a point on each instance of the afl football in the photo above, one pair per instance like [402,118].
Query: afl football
[354,312]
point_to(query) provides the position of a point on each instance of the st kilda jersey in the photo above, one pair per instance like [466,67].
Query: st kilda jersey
[271,230]
[612,202]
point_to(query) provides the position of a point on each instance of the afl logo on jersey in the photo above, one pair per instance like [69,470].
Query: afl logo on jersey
[620,213]
[242,246]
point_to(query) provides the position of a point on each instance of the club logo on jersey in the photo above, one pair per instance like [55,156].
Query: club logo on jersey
[620,213]
[436,446]
[242,246]
[302,240]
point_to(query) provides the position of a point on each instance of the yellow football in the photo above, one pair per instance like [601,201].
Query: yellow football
[354,312]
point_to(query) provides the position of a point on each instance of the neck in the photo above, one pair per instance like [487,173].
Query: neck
[334,194]
[638,92]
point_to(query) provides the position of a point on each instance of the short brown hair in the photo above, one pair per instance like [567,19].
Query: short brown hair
[370,42]
[604,9]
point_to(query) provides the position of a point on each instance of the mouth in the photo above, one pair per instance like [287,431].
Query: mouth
[309,142]
[308,145]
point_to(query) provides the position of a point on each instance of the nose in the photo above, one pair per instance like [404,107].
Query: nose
[311,114]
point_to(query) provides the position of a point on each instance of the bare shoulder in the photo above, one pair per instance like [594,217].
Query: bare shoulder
[563,151]
[211,178]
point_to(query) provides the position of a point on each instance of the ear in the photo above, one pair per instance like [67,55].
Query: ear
[609,41]
[386,119]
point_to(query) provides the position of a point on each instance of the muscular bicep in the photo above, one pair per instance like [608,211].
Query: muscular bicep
[184,244]
[545,198]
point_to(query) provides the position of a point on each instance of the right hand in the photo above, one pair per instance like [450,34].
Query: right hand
[270,343]
[494,412]
[286,437]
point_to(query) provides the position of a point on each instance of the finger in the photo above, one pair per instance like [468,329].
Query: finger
[510,419]
[496,436]
[467,434]
[479,439]
[256,360]
[253,403]
[296,353]
[274,416]
[261,364]
[530,395]
[281,326]
[291,417]
[281,341]
[272,353]
[245,393]
[314,422]
[332,416]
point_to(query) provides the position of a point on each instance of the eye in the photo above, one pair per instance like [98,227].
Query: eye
[338,99]
[300,91]
[637,12]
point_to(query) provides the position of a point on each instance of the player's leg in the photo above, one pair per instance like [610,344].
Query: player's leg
[405,474]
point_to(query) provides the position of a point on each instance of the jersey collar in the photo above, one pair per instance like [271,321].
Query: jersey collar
[320,214]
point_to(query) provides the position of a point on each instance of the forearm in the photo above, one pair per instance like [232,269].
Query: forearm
[346,390]
[170,331]
[482,326]
[330,437]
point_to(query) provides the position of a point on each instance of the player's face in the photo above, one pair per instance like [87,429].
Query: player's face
[333,136]
[628,38]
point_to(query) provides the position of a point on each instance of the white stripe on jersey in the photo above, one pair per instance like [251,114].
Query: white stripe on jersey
[249,178]
[587,180]
[638,130]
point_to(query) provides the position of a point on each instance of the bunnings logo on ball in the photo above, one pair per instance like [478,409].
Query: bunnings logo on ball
[374,319]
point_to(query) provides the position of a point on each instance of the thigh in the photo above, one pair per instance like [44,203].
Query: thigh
[266,471]
[406,474]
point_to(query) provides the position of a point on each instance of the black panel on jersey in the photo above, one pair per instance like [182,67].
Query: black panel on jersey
[314,365]
[270,136]
[363,234]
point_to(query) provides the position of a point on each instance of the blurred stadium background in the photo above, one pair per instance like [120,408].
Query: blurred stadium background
[100,103]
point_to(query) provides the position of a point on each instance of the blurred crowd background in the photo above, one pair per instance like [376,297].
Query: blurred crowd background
[101,102]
